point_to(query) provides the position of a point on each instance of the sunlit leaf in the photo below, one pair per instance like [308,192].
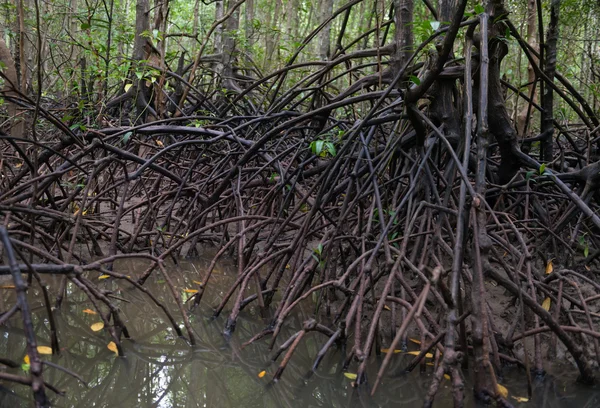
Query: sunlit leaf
[262,374]
[190,290]
[520,399]
[546,304]
[103,277]
[350,376]
[112,347]
[44,350]
[26,359]
[502,390]
[549,267]
[90,311]
[416,353]
[97,326]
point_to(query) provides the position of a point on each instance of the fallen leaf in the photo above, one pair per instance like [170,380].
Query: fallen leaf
[161,144]
[18,165]
[262,374]
[416,353]
[502,391]
[44,350]
[89,311]
[197,283]
[447,377]
[112,347]
[414,341]
[520,399]
[546,304]
[7,287]
[97,326]
[549,267]
[190,290]
[384,350]
[26,359]
[103,277]
[386,307]
[350,376]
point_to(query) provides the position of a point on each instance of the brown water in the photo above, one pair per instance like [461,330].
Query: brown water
[161,370]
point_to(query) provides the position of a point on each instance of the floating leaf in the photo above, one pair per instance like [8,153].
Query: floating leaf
[416,353]
[103,277]
[546,304]
[447,377]
[414,341]
[502,390]
[262,374]
[520,399]
[112,347]
[350,376]
[549,267]
[190,290]
[44,350]
[97,326]
[26,359]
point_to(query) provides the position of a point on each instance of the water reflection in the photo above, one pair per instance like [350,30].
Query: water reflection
[161,370]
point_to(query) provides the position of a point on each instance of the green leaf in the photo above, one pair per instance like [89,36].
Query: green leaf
[479,9]
[127,136]
[330,147]
[542,168]
[25,367]
[435,25]
[529,174]
[85,26]
[586,251]
[415,80]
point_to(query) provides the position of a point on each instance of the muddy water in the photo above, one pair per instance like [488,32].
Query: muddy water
[161,370]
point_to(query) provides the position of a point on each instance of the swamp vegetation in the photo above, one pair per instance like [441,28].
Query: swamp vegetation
[387,178]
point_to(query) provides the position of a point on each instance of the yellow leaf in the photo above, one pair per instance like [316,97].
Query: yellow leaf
[26,359]
[429,364]
[103,277]
[18,165]
[416,353]
[414,341]
[386,307]
[546,304]
[127,87]
[89,311]
[520,399]
[112,347]
[384,350]
[262,374]
[502,391]
[190,291]
[97,326]
[161,144]
[44,350]
[350,376]
[197,283]
[447,377]
[549,267]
